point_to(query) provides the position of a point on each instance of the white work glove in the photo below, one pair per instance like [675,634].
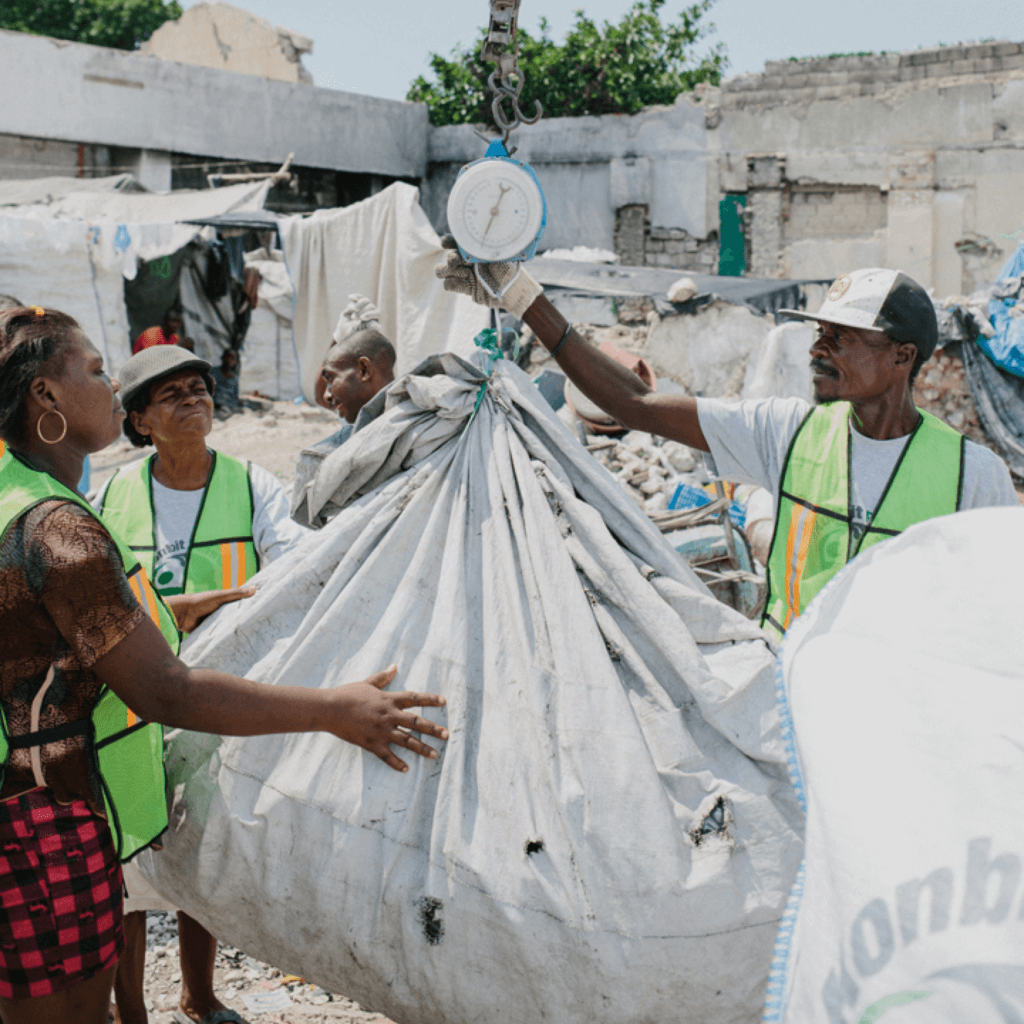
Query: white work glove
[359,314]
[459,276]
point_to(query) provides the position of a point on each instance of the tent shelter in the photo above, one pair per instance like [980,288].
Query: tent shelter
[73,244]
[116,257]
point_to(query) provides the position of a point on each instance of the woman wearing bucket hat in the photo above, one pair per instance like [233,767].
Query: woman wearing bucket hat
[202,524]
[859,465]
[88,666]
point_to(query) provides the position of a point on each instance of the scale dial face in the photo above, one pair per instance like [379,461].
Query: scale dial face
[495,210]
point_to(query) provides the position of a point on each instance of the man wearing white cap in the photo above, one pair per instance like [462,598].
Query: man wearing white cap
[858,466]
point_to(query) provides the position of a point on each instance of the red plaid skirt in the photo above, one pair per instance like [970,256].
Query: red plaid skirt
[60,895]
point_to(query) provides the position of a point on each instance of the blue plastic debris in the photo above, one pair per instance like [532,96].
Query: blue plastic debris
[688,496]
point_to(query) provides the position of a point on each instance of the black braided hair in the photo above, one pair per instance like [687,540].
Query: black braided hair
[30,341]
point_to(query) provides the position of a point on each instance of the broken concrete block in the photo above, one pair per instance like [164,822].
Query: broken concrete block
[225,37]
[682,290]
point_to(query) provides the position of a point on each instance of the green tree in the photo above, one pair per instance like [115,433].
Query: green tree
[123,24]
[598,69]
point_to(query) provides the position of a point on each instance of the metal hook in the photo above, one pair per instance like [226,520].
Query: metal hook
[503,89]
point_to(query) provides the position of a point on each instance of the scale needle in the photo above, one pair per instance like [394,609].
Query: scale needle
[494,208]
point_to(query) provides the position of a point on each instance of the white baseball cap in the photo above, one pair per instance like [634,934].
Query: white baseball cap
[887,301]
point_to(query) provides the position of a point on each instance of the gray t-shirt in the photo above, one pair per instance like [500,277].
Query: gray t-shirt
[749,441]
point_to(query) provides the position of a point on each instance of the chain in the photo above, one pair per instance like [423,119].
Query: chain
[507,79]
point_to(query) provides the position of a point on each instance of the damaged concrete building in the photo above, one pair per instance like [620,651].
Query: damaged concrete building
[218,91]
[912,160]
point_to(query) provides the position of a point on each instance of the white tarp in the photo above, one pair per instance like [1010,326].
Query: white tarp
[33,191]
[74,252]
[609,834]
[903,687]
[384,248]
[780,365]
[50,263]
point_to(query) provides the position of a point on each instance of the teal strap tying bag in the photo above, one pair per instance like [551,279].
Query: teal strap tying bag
[487,339]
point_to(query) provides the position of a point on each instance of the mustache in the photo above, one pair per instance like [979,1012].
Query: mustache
[823,368]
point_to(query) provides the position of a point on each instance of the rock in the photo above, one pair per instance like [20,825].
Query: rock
[682,290]
[680,458]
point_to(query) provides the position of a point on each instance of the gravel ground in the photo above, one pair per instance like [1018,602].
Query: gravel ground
[236,975]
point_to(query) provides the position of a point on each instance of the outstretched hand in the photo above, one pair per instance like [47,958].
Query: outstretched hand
[190,609]
[373,719]
[459,276]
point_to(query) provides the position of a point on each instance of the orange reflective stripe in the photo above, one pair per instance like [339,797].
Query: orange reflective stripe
[801,529]
[805,544]
[139,582]
[143,592]
[232,564]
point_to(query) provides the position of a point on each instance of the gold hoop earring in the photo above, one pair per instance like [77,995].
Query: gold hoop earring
[39,427]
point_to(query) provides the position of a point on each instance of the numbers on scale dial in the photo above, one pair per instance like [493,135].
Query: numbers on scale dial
[497,213]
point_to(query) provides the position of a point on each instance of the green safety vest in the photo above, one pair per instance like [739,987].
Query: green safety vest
[221,553]
[813,536]
[126,752]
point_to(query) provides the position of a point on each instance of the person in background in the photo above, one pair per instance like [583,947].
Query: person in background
[359,364]
[85,639]
[225,382]
[198,521]
[165,334]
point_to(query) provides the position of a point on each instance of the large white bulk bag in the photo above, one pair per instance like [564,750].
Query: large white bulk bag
[610,833]
[903,683]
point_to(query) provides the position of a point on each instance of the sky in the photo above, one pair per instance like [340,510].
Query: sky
[379,48]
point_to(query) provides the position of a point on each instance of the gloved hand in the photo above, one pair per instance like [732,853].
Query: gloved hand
[360,313]
[460,276]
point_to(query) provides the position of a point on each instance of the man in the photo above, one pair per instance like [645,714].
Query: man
[355,369]
[165,334]
[860,465]
[359,365]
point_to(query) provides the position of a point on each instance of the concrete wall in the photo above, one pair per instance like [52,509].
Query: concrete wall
[228,38]
[71,92]
[911,160]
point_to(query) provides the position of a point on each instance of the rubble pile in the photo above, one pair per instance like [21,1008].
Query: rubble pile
[941,389]
[649,468]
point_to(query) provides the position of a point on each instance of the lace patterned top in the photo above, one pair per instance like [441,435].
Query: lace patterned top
[65,601]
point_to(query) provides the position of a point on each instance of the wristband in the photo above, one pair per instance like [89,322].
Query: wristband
[565,338]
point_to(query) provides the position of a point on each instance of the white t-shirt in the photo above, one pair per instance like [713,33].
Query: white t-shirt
[749,441]
[274,532]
